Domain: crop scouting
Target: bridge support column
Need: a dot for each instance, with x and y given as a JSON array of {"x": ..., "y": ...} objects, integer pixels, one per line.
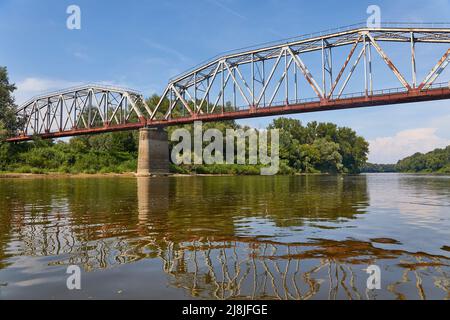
[{"x": 153, "y": 158}]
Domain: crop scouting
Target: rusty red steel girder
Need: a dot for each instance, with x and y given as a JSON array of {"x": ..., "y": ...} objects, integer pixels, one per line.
[{"x": 253, "y": 78}]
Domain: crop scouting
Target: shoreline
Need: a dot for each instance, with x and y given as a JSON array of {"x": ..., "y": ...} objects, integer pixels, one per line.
[{"x": 12, "y": 175}]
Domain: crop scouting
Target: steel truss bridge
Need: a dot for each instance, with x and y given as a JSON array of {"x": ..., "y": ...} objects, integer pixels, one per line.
[{"x": 273, "y": 79}]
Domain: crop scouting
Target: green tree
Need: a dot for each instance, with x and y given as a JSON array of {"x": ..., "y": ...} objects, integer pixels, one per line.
[
  {"x": 8, "y": 121},
  {"x": 437, "y": 160},
  {"x": 320, "y": 147},
  {"x": 329, "y": 160}
]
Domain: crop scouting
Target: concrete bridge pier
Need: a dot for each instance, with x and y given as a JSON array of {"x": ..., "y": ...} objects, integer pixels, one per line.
[{"x": 153, "y": 158}]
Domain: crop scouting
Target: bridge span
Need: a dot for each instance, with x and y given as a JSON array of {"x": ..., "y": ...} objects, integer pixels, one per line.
[
  {"x": 339, "y": 69},
  {"x": 272, "y": 79}
]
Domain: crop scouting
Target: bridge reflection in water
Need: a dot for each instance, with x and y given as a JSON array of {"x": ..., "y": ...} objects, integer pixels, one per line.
[{"x": 221, "y": 239}]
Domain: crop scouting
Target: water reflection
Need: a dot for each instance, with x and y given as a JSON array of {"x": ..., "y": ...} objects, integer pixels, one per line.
[{"x": 232, "y": 237}]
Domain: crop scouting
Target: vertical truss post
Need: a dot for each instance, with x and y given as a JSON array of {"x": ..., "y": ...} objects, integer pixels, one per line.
[
  {"x": 123, "y": 109},
  {"x": 234, "y": 90},
  {"x": 36, "y": 117},
  {"x": 264, "y": 79},
  {"x": 60, "y": 126},
  {"x": 171, "y": 102},
  {"x": 330, "y": 64},
  {"x": 253, "y": 80},
  {"x": 366, "y": 90},
  {"x": 90, "y": 108},
  {"x": 207, "y": 96},
  {"x": 183, "y": 98},
  {"x": 102, "y": 106},
  {"x": 327, "y": 66},
  {"x": 223, "y": 86},
  {"x": 369, "y": 51},
  {"x": 323, "y": 67},
  {"x": 296, "y": 84},
  {"x": 195, "y": 91},
  {"x": 49, "y": 115},
  {"x": 286, "y": 79},
  {"x": 413, "y": 61},
  {"x": 106, "y": 106},
  {"x": 75, "y": 106}
]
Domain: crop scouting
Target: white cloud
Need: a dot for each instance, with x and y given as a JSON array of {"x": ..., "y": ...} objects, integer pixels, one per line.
[
  {"x": 222, "y": 6},
  {"x": 30, "y": 87},
  {"x": 166, "y": 50},
  {"x": 405, "y": 143},
  {"x": 81, "y": 55}
]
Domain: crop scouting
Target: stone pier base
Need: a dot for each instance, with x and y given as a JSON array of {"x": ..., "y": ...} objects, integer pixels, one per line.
[{"x": 153, "y": 156}]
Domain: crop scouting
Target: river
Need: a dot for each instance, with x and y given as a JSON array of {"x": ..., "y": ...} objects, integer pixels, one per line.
[{"x": 302, "y": 237}]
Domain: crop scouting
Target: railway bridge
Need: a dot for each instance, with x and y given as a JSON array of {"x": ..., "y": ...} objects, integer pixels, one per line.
[{"x": 344, "y": 68}]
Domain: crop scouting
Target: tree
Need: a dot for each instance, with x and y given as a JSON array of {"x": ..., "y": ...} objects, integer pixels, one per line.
[
  {"x": 437, "y": 160},
  {"x": 330, "y": 160},
  {"x": 8, "y": 120},
  {"x": 320, "y": 147}
]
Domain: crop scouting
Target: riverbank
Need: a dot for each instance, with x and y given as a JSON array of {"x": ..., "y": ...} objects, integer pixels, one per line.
[{"x": 12, "y": 175}]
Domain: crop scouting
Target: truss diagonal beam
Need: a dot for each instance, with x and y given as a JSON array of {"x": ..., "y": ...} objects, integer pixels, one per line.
[
  {"x": 183, "y": 101},
  {"x": 436, "y": 71},
  {"x": 277, "y": 62},
  {"x": 341, "y": 72},
  {"x": 389, "y": 62},
  {"x": 352, "y": 70},
  {"x": 306, "y": 73},
  {"x": 235, "y": 82},
  {"x": 219, "y": 65}
]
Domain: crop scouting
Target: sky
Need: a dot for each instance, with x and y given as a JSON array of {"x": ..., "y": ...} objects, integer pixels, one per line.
[{"x": 142, "y": 44}]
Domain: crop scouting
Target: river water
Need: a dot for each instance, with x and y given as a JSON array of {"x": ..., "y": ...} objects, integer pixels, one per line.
[{"x": 303, "y": 237}]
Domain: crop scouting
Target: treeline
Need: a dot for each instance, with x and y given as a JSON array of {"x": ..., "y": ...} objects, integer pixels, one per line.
[
  {"x": 436, "y": 161},
  {"x": 106, "y": 153},
  {"x": 378, "y": 168}
]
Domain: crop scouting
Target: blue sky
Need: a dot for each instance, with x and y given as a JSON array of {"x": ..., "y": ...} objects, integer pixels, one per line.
[{"x": 141, "y": 44}]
